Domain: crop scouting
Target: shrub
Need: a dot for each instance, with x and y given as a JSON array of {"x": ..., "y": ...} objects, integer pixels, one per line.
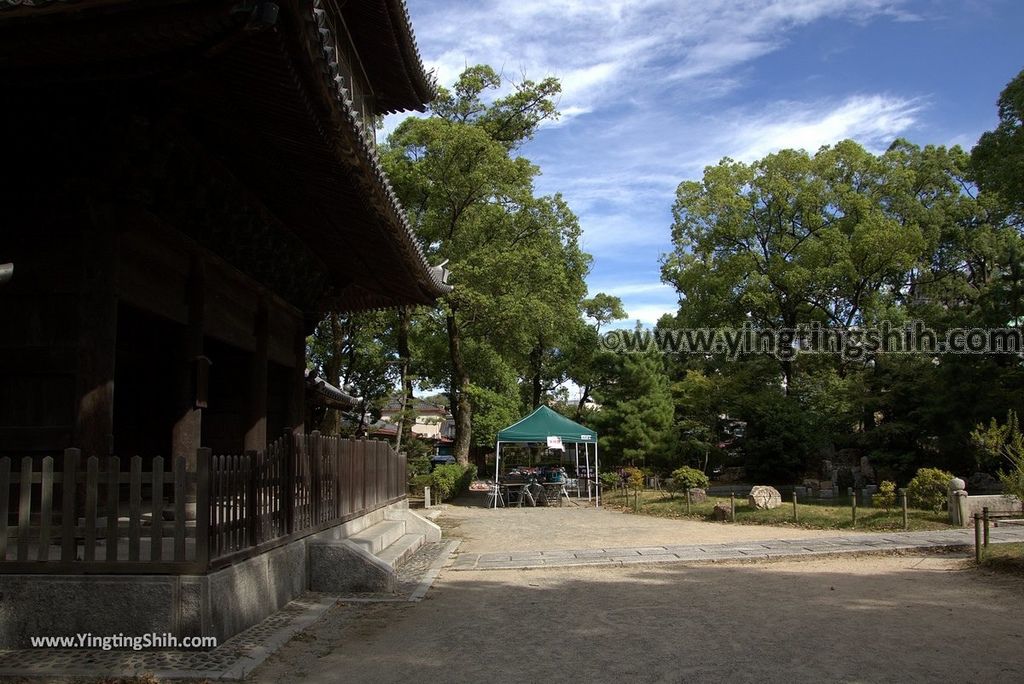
[
  {"x": 634, "y": 478},
  {"x": 688, "y": 478},
  {"x": 418, "y": 465},
  {"x": 929, "y": 489},
  {"x": 610, "y": 480},
  {"x": 418, "y": 482},
  {"x": 886, "y": 496},
  {"x": 448, "y": 481}
]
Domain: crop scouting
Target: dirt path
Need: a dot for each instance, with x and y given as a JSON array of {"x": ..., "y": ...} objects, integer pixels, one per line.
[
  {"x": 865, "y": 619},
  {"x": 485, "y": 530}
]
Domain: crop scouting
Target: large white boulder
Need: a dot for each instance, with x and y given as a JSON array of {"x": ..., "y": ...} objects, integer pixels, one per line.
[{"x": 764, "y": 497}]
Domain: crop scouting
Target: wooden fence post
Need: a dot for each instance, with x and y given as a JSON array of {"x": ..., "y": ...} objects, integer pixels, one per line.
[
  {"x": 5, "y": 491},
  {"x": 113, "y": 504},
  {"x": 251, "y": 508},
  {"x": 68, "y": 516},
  {"x": 854, "y": 507},
  {"x": 903, "y": 503},
  {"x": 796, "y": 515},
  {"x": 316, "y": 490},
  {"x": 46, "y": 510},
  {"x": 977, "y": 538},
  {"x": 985, "y": 519},
  {"x": 24, "y": 507},
  {"x": 203, "y": 462},
  {"x": 287, "y": 489},
  {"x": 732, "y": 506}
]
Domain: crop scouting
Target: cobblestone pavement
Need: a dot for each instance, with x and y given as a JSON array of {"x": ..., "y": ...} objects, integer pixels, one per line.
[
  {"x": 749, "y": 550},
  {"x": 236, "y": 657}
]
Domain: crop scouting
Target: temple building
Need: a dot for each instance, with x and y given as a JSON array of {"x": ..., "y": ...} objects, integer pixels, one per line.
[{"x": 189, "y": 186}]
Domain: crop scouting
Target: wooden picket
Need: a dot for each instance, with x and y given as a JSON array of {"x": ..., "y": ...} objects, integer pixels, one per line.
[
  {"x": 92, "y": 516},
  {"x": 73, "y": 520}
]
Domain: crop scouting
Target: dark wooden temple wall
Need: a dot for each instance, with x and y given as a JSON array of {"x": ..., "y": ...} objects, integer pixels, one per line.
[{"x": 118, "y": 293}]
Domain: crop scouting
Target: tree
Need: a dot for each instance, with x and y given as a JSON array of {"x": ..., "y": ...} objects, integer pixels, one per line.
[
  {"x": 354, "y": 351},
  {"x": 587, "y": 362},
  {"x": 847, "y": 239},
  {"x": 514, "y": 258},
  {"x": 636, "y": 409},
  {"x": 998, "y": 158}
]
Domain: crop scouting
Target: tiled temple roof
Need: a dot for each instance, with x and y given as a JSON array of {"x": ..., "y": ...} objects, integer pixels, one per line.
[{"x": 301, "y": 144}]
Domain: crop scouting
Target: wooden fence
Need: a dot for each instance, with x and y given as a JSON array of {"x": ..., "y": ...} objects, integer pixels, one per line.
[{"x": 159, "y": 516}]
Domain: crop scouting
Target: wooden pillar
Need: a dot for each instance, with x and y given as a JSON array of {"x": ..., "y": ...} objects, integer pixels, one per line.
[
  {"x": 97, "y": 339},
  {"x": 256, "y": 433},
  {"x": 297, "y": 391},
  {"x": 188, "y": 428}
]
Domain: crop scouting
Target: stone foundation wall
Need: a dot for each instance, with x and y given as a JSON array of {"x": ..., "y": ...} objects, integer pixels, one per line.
[{"x": 220, "y": 604}]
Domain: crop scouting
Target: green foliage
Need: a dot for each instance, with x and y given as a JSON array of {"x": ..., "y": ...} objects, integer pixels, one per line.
[
  {"x": 610, "y": 480},
  {"x": 634, "y": 478},
  {"x": 845, "y": 239},
  {"x": 688, "y": 478},
  {"x": 779, "y": 437},
  {"x": 929, "y": 489},
  {"x": 637, "y": 409},
  {"x": 418, "y": 482},
  {"x": 998, "y": 158},
  {"x": 418, "y": 466},
  {"x": 1004, "y": 444},
  {"x": 886, "y": 496},
  {"x": 356, "y": 350},
  {"x": 448, "y": 481},
  {"x": 997, "y": 443},
  {"x": 587, "y": 363},
  {"x": 514, "y": 258}
]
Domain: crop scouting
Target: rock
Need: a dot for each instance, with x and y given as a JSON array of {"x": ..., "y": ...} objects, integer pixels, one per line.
[
  {"x": 866, "y": 469},
  {"x": 698, "y": 496},
  {"x": 722, "y": 511},
  {"x": 764, "y": 497},
  {"x": 983, "y": 483},
  {"x": 826, "y": 469}
]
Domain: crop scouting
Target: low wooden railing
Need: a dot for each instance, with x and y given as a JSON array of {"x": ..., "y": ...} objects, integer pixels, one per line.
[{"x": 161, "y": 517}]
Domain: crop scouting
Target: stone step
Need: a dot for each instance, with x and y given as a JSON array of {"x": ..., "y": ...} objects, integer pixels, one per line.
[
  {"x": 376, "y": 538},
  {"x": 397, "y": 553}
]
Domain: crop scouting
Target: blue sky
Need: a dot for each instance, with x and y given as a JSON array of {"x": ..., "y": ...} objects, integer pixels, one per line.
[{"x": 654, "y": 90}]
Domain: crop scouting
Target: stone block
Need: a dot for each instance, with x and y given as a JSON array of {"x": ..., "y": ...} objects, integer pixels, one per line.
[{"x": 343, "y": 567}]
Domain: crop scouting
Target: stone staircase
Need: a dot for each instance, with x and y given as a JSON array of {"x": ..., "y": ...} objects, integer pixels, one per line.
[{"x": 367, "y": 559}]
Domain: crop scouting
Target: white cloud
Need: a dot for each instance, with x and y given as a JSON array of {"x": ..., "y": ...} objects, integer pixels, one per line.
[
  {"x": 627, "y": 289},
  {"x": 872, "y": 120},
  {"x": 602, "y": 48}
]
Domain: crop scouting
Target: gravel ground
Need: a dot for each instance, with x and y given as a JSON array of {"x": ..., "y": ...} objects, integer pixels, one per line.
[
  {"x": 484, "y": 530},
  {"x": 898, "y": 619}
]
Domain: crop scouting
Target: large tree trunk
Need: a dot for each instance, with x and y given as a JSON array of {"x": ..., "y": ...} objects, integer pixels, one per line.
[
  {"x": 331, "y": 423},
  {"x": 407, "y": 417},
  {"x": 584, "y": 395},
  {"x": 462, "y": 410}
]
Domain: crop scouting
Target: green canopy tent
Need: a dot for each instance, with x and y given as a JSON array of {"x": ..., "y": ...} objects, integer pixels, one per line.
[{"x": 543, "y": 425}]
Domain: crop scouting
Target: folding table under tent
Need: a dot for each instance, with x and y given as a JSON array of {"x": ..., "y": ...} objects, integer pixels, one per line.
[{"x": 538, "y": 427}]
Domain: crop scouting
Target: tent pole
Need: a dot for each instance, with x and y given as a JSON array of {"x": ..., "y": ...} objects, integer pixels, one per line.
[
  {"x": 497, "y": 460},
  {"x": 590, "y": 481},
  {"x": 577, "y": 445},
  {"x": 597, "y": 491}
]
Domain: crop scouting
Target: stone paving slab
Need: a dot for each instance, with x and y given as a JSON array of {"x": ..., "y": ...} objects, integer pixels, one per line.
[
  {"x": 237, "y": 657},
  {"x": 703, "y": 553}
]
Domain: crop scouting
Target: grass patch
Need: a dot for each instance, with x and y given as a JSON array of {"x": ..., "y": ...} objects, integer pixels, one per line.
[
  {"x": 1004, "y": 558},
  {"x": 811, "y": 515}
]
